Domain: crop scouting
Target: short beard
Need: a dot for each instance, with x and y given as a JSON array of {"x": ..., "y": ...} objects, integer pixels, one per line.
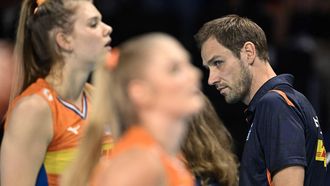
[{"x": 242, "y": 87}]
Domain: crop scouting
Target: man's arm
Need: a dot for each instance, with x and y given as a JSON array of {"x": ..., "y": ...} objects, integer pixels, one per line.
[
  {"x": 25, "y": 142},
  {"x": 283, "y": 139},
  {"x": 290, "y": 176}
]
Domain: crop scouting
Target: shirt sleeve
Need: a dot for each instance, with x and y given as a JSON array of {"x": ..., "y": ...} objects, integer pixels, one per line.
[{"x": 281, "y": 133}]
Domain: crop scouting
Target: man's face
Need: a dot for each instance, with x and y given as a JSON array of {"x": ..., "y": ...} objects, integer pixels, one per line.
[{"x": 230, "y": 75}]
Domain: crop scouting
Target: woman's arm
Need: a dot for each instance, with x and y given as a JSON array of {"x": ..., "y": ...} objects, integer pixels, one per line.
[{"x": 26, "y": 138}]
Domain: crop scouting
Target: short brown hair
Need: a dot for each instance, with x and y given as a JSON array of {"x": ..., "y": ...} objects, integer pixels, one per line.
[{"x": 232, "y": 31}]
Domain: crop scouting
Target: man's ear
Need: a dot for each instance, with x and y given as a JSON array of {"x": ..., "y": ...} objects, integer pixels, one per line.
[
  {"x": 248, "y": 52},
  {"x": 139, "y": 93},
  {"x": 63, "y": 41}
]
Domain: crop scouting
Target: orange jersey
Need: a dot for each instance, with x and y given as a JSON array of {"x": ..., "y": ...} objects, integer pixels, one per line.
[
  {"x": 137, "y": 137},
  {"x": 68, "y": 125}
]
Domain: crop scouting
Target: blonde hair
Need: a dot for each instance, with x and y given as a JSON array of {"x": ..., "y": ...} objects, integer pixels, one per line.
[
  {"x": 111, "y": 104},
  {"x": 35, "y": 48},
  {"x": 208, "y": 148}
]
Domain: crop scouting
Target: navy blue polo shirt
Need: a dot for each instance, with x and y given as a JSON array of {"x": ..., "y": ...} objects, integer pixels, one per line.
[{"x": 284, "y": 132}]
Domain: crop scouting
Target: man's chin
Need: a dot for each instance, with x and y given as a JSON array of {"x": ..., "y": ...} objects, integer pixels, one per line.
[{"x": 231, "y": 100}]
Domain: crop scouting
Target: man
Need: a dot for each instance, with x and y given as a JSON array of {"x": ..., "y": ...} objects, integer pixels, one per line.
[{"x": 285, "y": 144}]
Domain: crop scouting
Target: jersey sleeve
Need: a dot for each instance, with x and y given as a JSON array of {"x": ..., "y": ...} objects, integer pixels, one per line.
[{"x": 281, "y": 132}]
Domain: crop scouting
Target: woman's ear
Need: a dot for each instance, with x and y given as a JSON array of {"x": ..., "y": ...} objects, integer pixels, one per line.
[
  {"x": 63, "y": 41},
  {"x": 248, "y": 52},
  {"x": 139, "y": 93}
]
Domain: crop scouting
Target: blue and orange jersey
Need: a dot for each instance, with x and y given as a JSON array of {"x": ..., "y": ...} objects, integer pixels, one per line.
[
  {"x": 285, "y": 131},
  {"x": 176, "y": 172},
  {"x": 69, "y": 123}
]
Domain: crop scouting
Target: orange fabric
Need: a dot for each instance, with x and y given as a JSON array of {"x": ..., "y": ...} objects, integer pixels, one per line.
[
  {"x": 287, "y": 100},
  {"x": 112, "y": 59},
  {"x": 68, "y": 128},
  {"x": 269, "y": 178},
  {"x": 137, "y": 137},
  {"x": 40, "y": 2},
  {"x": 62, "y": 116}
]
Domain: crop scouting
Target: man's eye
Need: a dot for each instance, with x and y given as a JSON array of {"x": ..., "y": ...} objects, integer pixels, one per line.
[{"x": 217, "y": 63}]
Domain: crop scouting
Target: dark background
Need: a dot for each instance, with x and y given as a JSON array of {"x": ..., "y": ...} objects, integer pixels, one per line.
[{"x": 297, "y": 32}]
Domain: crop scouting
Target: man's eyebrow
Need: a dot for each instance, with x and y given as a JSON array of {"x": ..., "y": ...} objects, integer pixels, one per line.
[{"x": 208, "y": 63}]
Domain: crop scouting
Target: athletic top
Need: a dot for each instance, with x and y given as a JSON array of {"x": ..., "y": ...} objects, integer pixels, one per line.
[
  {"x": 138, "y": 137},
  {"x": 284, "y": 132},
  {"x": 68, "y": 125}
]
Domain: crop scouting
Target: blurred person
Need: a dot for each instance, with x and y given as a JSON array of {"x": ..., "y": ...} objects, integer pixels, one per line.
[
  {"x": 6, "y": 67},
  {"x": 207, "y": 149},
  {"x": 285, "y": 144},
  {"x": 6, "y": 75},
  {"x": 145, "y": 99},
  {"x": 58, "y": 45}
]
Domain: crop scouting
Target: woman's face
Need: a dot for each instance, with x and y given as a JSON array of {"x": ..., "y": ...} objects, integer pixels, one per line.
[
  {"x": 90, "y": 36},
  {"x": 173, "y": 81}
]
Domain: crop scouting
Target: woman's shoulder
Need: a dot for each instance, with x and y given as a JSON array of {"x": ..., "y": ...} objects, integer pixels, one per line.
[
  {"x": 31, "y": 113},
  {"x": 32, "y": 102},
  {"x": 139, "y": 165},
  {"x": 31, "y": 105}
]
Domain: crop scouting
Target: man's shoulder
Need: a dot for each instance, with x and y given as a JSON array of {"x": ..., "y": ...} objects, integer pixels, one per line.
[
  {"x": 276, "y": 103},
  {"x": 274, "y": 99}
]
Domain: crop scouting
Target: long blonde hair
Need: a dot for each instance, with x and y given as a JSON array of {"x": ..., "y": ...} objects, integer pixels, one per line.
[
  {"x": 35, "y": 48},
  {"x": 111, "y": 104},
  {"x": 208, "y": 148}
]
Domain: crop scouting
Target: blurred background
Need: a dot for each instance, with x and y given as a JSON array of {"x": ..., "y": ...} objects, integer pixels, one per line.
[{"x": 297, "y": 31}]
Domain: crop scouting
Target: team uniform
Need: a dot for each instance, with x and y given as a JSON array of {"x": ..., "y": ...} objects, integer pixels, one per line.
[
  {"x": 68, "y": 125},
  {"x": 284, "y": 132},
  {"x": 137, "y": 137}
]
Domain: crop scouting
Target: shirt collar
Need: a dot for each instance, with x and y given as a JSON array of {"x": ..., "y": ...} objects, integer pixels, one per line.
[{"x": 269, "y": 85}]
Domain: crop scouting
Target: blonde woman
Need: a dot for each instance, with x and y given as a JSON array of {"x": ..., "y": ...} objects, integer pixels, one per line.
[
  {"x": 145, "y": 99},
  {"x": 59, "y": 43}
]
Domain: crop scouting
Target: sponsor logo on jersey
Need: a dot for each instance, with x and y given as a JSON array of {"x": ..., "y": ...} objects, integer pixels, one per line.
[
  {"x": 74, "y": 130},
  {"x": 48, "y": 95},
  {"x": 320, "y": 152},
  {"x": 316, "y": 121},
  {"x": 248, "y": 135}
]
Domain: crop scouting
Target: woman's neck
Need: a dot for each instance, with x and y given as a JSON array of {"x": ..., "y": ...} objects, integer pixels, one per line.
[
  {"x": 169, "y": 132},
  {"x": 68, "y": 82}
]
